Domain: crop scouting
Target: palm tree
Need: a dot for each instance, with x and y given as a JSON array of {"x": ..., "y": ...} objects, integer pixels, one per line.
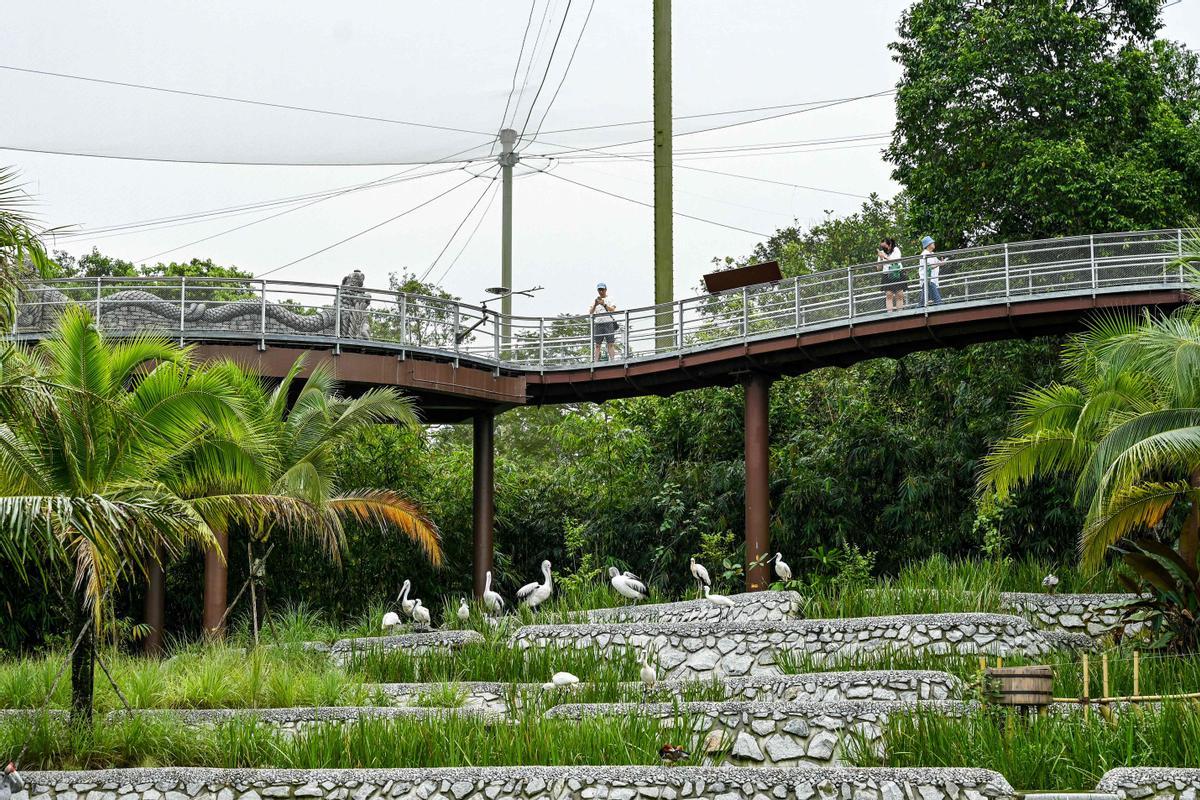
[
  {"x": 20, "y": 243},
  {"x": 83, "y": 454},
  {"x": 1125, "y": 424},
  {"x": 290, "y": 453}
]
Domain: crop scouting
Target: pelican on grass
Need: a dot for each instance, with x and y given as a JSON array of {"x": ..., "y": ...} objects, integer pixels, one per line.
[
  {"x": 464, "y": 611},
  {"x": 781, "y": 568},
  {"x": 491, "y": 600},
  {"x": 420, "y": 614},
  {"x": 406, "y": 605},
  {"x": 718, "y": 599},
  {"x": 700, "y": 574},
  {"x": 627, "y": 584},
  {"x": 534, "y": 594}
]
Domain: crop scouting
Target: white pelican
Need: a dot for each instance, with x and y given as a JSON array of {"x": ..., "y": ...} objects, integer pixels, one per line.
[
  {"x": 627, "y": 584},
  {"x": 493, "y": 601},
  {"x": 718, "y": 599},
  {"x": 464, "y": 611},
  {"x": 406, "y": 605},
  {"x": 561, "y": 680},
  {"x": 420, "y": 613},
  {"x": 1050, "y": 583},
  {"x": 649, "y": 675},
  {"x": 391, "y": 621},
  {"x": 534, "y": 594},
  {"x": 781, "y": 568},
  {"x": 700, "y": 574}
]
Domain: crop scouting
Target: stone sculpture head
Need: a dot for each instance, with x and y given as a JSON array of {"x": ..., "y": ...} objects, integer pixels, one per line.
[{"x": 355, "y": 279}]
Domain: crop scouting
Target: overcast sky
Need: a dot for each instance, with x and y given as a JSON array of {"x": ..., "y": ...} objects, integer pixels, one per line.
[{"x": 448, "y": 65}]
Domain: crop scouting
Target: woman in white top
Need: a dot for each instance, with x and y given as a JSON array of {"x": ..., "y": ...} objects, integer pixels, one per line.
[
  {"x": 895, "y": 282},
  {"x": 930, "y": 270},
  {"x": 604, "y": 324}
]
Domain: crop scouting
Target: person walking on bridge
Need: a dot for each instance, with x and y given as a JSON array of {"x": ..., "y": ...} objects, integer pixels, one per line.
[
  {"x": 894, "y": 280},
  {"x": 604, "y": 324},
  {"x": 930, "y": 270}
]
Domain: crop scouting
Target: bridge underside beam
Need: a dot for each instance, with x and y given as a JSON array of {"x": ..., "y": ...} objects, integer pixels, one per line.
[
  {"x": 484, "y": 498},
  {"x": 758, "y": 494}
]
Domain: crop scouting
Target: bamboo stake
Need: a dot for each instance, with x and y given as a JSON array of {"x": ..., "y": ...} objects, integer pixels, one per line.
[
  {"x": 1137, "y": 663},
  {"x": 982, "y": 663},
  {"x": 1104, "y": 675},
  {"x": 1149, "y": 698},
  {"x": 1086, "y": 689}
]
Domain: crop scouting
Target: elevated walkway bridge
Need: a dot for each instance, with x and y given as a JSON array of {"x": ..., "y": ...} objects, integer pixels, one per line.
[{"x": 467, "y": 362}]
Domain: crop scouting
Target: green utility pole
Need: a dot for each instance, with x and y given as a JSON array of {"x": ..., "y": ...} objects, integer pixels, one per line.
[
  {"x": 664, "y": 257},
  {"x": 508, "y": 138}
]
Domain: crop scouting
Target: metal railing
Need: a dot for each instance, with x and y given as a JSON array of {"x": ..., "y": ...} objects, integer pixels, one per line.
[{"x": 269, "y": 311}]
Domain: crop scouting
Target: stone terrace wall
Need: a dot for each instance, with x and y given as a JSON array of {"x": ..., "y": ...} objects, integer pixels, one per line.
[
  {"x": 910, "y": 686},
  {"x": 1091, "y": 614},
  {"x": 290, "y": 720},
  {"x": 704, "y": 650},
  {"x": 1170, "y": 783},
  {"x": 828, "y": 687},
  {"x": 522, "y": 783},
  {"x": 749, "y": 607},
  {"x": 772, "y": 733},
  {"x": 415, "y": 643}
]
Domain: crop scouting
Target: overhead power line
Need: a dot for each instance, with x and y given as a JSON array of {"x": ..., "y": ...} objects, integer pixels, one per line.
[
  {"x": 241, "y": 100},
  {"x": 546, "y": 72},
  {"x": 459, "y": 227},
  {"x": 651, "y": 205},
  {"x": 517, "y": 67},
  {"x": 471, "y": 235},
  {"x": 726, "y": 113},
  {"x": 365, "y": 231},
  {"x": 567, "y": 69}
]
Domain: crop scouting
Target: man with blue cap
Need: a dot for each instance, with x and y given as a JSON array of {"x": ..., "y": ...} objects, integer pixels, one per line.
[
  {"x": 930, "y": 269},
  {"x": 604, "y": 324}
]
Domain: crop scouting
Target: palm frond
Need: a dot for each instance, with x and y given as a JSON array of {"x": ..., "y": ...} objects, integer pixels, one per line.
[
  {"x": 1128, "y": 511},
  {"x": 1019, "y": 459},
  {"x": 386, "y": 509}
]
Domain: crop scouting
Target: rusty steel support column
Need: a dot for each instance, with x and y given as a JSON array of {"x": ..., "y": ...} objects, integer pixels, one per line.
[
  {"x": 216, "y": 586},
  {"x": 758, "y": 496},
  {"x": 484, "y": 499},
  {"x": 156, "y": 600}
]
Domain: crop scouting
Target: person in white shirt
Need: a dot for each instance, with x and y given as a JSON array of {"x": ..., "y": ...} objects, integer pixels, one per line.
[
  {"x": 930, "y": 270},
  {"x": 894, "y": 282},
  {"x": 10, "y": 782},
  {"x": 604, "y": 324}
]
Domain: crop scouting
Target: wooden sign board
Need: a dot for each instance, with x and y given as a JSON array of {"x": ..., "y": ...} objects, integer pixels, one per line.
[{"x": 766, "y": 272}]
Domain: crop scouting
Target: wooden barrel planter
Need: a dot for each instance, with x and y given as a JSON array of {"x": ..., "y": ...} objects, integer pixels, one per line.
[{"x": 1020, "y": 686}]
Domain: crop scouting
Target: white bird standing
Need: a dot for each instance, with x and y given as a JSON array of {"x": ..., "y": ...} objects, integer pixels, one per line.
[
  {"x": 560, "y": 680},
  {"x": 700, "y": 573},
  {"x": 406, "y": 605},
  {"x": 718, "y": 599},
  {"x": 534, "y": 594},
  {"x": 420, "y": 613},
  {"x": 391, "y": 621},
  {"x": 464, "y": 611},
  {"x": 649, "y": 675},
  {"x": 781, "y": 568},
  {"x": 1050, "y": 583},
  {"x": 492, "y": 600},
  {"x": 627, "y": 584}
]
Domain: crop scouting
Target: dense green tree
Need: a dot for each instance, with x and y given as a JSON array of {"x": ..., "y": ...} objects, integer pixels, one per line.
[
  {"x": 96, "y": 264},
  {"x": 1018, "y": 119}
]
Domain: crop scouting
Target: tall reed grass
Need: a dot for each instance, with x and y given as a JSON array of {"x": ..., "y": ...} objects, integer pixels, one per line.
[{"x": 1056, "y": 752}]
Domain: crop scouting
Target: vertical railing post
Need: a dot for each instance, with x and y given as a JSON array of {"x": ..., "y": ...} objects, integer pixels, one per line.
[
  {"x": 1179, "y": 251},
  {"x": 403, "y": 318},
  {"x": 454, "y": 322},
  {"x": 1092, "y": 259},
  {"x": 593, "y": 350},
  {"x": 745, "y": 312},
  {"x": 262, "y": 316},
  {"x": 1007, "y": 283},
  {"x": 850, "y": 291},
  {"x": 680, "y": 324},
  {"x": 182, "y": 306},
  {"x": 337, "y": 321},
  {"x": 796, "y": 294},
  {"x": 495, "y": 335},
  {"x": 97, "y": 302},
  {"x": 541, "y": 342},
  {"x": 625, "y": 337}
]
